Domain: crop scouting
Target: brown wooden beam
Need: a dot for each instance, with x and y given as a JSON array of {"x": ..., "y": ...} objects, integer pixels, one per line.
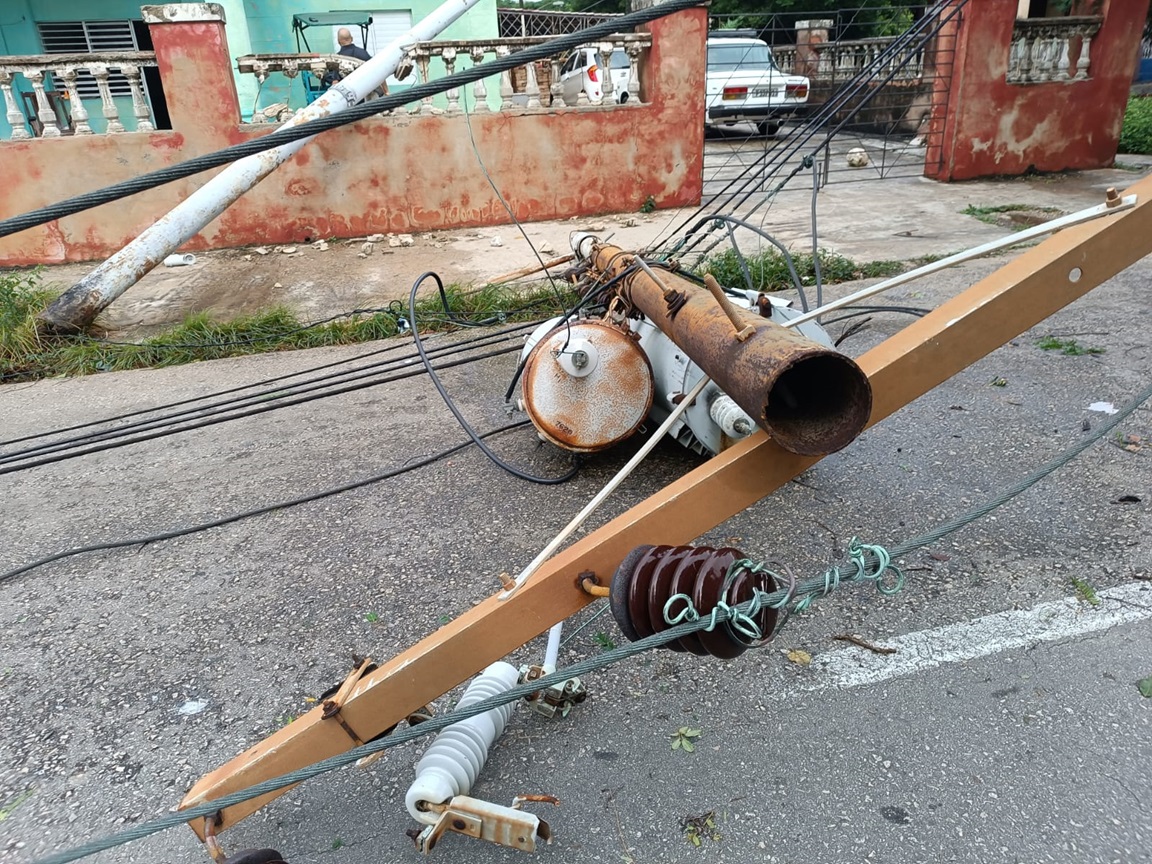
[{"x": 1001, "y": 306}]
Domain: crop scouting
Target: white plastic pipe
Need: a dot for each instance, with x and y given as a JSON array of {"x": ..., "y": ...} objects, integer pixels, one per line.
[
  {"x": 453, "y": 761},
  {"x": 88, "y": 297}
]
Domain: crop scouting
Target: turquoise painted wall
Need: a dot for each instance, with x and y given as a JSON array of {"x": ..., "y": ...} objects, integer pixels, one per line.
[
  {"x": 269, "y": 30},
  {"x": 18, "y": 35},
  {"x": 253, "y": 27}
]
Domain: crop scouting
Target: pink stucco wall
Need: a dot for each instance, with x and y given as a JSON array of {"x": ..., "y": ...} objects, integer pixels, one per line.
[
  {"x": 991, "y": 127},
  {"x": 394, "y": 173}
]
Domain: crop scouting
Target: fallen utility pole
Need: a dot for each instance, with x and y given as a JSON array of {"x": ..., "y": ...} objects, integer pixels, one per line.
[
  {"x": 76, "y": 308},
  {"x": 998, "y": 308}
]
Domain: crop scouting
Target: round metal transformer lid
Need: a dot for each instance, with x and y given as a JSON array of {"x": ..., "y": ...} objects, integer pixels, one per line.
[{"x": 580, "y": 410}]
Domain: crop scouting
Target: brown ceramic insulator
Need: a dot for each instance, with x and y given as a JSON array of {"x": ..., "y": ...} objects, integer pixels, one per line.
[{"x": 650, "y": 575}]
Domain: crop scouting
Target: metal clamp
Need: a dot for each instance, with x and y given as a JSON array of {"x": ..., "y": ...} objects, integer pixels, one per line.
[
  {"x": 505, "y": 826},
  {"x": 559, "y": 698},
  {"x": 333, "y": 700}
]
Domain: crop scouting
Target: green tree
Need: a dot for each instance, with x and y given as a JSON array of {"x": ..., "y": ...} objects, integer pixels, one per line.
[{"x": 776, "y": 19}]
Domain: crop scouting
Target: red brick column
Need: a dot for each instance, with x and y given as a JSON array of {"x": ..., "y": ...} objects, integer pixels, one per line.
[{"x": 809, "y": 34}]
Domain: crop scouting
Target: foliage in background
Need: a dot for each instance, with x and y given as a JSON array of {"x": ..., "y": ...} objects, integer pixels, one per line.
[
  {"x": 1136, "y": 136},
  {"x": 769, "y": 270},
  {"x": 26, "y": 354},
  {"x": 855, "y": 19}
]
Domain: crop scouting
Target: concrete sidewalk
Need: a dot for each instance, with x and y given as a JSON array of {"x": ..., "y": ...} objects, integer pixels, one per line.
[{"x": 892, "y": 219}]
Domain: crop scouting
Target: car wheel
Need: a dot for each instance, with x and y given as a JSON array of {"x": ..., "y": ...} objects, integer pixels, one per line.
[{"x": 768, "y": 128}]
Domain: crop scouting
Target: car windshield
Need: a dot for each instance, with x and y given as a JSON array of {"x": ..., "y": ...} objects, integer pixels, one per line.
[
  {"x": 619, "y": 59},
  {"x": 732, "y": 58}
]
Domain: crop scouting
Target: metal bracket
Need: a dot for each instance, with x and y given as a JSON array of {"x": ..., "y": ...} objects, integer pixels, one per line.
[
  {"x": 332, "y": 702},
  {"x": 557, "y": 699},
  {"x": 505, "y": 826}
]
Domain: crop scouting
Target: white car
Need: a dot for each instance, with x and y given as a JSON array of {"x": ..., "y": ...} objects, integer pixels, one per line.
[
  {"x": 744, "y": 84},
  {"x": 585, "y": 70}
]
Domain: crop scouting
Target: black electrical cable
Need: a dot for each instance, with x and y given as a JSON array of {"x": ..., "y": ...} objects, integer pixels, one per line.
[
  {"x": 315, "y": 386},
  {"x": 248, "y": 412},
  {"x": 262, "y": 383},
  {"x": 162, "y": 346},
  {"x": 869, "y": 310},
  {"x": 352, "y": 114},
  {"x": 464, "y": 424},
  {"x": 283, "y": 505},
  {"x": 756, "y": 229}
]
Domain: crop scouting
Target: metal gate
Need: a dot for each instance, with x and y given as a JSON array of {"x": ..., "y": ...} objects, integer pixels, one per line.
[{"x": 877, "y": 98}]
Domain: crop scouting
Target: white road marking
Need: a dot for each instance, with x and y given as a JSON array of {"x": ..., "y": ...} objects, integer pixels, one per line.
[{"x": 980, "y": 637}]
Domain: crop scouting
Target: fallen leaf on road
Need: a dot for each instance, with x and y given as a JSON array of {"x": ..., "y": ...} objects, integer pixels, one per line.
[
  {"x": 800, "y": 658},
  {"x": 1145, "y": 687}
]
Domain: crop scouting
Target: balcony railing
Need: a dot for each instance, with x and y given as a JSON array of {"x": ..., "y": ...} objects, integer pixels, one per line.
[
  {"x": 841, "y": 61},
  {"x": 532, "y": 86},
  {"x": 1051, "y": 49},
  {"x": 55, "y": 103}
]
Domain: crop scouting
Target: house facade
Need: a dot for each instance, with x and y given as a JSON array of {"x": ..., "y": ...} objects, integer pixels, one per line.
[{"x": 33, "y": 27}]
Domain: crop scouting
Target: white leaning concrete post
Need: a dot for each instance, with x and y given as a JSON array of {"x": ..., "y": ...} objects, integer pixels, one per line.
[{"x": 79, "y": 305}]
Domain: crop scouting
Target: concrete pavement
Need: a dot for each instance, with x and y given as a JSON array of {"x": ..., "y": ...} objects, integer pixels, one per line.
[{"x": 129, "y": 674}]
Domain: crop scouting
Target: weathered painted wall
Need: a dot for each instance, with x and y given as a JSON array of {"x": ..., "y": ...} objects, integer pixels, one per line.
[
  {"x": 253, "y": 27},
  {"x": 395, "y": 173},
  {"x": 992, "y": 127}
]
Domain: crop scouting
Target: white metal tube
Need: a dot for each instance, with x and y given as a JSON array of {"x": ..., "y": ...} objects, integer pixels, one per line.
[
  {"x": 552, "y": 649},
  {"x": 608, "y": 489},
  {"x": 113, "y": 277},
  {"x": 968, "y": 254}
]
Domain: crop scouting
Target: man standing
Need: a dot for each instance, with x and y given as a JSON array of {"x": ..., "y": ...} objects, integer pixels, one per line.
[{"x": 348, "y": 48}]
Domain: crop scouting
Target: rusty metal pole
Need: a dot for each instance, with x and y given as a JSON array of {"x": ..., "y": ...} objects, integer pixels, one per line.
[
  {"x": 810, "y": 399},
  {"x": 76, "y": 308}
]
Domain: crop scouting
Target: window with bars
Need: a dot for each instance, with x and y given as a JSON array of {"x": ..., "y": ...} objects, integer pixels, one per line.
[{"x": 90, "y": 37}]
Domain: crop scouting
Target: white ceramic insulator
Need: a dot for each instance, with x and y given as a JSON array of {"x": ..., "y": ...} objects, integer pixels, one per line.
[
  {"x": 731, "y": 417},
  {"x": 579, "y": 358},
  {"x": 453, "y": 761}
]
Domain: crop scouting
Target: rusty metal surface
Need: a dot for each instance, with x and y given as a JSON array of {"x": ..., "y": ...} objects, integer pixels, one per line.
[
  {"x": 998, "y": 308},
  {"x": 810, "y": 399},
  {"x": 504, "y": 826},
  {"x": 588, "y": 413}
]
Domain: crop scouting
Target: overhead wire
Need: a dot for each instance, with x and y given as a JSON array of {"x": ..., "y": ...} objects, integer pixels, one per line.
[
  {"x": 249, "y": 410},
  {"x": 192, "y": 400},
  {"x": 258, "y": 511},
  {"x": 737, "y": 191},
  {"x": 456, "y": 412}
]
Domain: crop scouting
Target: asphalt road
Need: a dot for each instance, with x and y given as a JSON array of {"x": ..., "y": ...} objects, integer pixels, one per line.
[{"x": 986, "y": 737}]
